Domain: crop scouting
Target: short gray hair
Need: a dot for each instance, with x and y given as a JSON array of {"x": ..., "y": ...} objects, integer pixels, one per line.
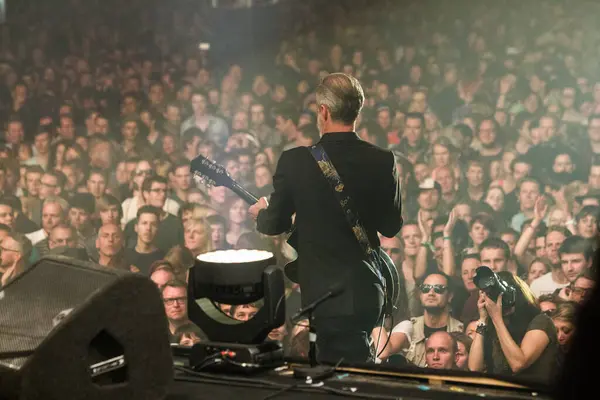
[
  {"x": 25, "y": 246},
  {"x": 343, "y": 95},
  {"x": 63, "y": 204}
]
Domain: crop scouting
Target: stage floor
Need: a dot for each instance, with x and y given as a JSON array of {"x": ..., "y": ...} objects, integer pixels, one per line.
[{"x": 348, "y": 382}]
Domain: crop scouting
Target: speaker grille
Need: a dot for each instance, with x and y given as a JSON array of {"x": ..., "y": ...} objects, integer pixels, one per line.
[{"x": 37, "y": 301}]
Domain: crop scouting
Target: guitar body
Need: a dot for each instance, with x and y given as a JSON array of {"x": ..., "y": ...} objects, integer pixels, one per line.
[
  {"x": 384, "y": 264},
  {"x": 213, "y": 174}
]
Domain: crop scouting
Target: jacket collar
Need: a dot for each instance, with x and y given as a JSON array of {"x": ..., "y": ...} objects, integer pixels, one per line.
[{"x": 338, "y": 136}]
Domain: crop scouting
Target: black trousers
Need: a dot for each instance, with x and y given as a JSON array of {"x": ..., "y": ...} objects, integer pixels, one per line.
[{"x": 347, "y": 337}]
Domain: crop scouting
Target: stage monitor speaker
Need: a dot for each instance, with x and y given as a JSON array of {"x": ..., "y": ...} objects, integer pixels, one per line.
[{"x": 73, "y": 330}]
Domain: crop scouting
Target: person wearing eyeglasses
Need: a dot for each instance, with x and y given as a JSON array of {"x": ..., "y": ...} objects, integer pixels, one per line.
[
  {"x": 170, "y": 229},
  {"x": 581, "y": 288},
  {"x": 143, "y": 172},
  {"x": 174, "y": 295},
  {"x": 435, "y": 295}
]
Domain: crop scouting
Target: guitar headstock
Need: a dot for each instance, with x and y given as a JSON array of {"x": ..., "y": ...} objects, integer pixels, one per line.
[{"x": 209, "y": 172}]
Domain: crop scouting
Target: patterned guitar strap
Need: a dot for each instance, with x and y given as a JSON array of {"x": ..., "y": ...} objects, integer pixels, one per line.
[{"x": 347, "y": 204}]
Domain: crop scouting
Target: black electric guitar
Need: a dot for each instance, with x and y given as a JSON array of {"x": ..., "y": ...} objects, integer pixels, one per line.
[{"x": 212, "y": 174}]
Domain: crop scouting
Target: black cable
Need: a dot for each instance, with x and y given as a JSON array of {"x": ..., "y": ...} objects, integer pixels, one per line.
[
  {"x": 226, "y": 378},
  {"x": 279, "y": 303},
  {"x": 379, "y": 338},
  {"x": 208, "y": 363},
  {"x": 389, "y": 335},
  {"x": 202, "y": 364}
]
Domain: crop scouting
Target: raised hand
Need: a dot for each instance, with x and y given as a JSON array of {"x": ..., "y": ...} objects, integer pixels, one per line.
[
  {"x": 423, "y": 226},
  {"x": 540, "y": 209},
  {"x": 506, "y": 84},
  {"x": 452, "y": 218}
]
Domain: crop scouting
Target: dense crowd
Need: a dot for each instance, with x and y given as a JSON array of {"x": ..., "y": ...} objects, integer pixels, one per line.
[{"x": 493, "y": 113}]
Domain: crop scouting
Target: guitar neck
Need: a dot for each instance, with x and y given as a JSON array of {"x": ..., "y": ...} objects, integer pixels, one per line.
[{"x": 243, "y": 193}]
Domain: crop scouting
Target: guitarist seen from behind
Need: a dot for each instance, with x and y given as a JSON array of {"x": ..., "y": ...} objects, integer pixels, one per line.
[{"x": 328, "y": 250}]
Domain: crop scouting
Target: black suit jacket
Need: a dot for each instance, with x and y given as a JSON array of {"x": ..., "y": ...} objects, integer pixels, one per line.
[{"x": 327, "y": 248}]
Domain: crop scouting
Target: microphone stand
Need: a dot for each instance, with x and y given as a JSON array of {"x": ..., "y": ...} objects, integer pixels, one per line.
[
  {"x": 312, "y": 341},
  {"x": 315, "y": 371}
]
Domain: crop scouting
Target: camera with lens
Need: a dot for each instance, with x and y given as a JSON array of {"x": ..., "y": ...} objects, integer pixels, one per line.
[{"x": 493, "y": 286}]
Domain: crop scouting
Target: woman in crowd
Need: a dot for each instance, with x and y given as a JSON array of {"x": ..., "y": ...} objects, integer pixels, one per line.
[
  {"x": 564, "y": 321},
  {"x": 463, "y": 343},
  {"x": 238, "y": 220},
  {"x": 480, "y": 228},
  {"x": 537, "y": 268},
  {"x": 518, "y": 340},
  {"x": 196, "y": 236}
]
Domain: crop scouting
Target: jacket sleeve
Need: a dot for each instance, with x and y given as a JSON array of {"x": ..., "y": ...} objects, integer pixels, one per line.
[
  {"x": 277, "y": 217},
  {"x": 390, "y": 221}
]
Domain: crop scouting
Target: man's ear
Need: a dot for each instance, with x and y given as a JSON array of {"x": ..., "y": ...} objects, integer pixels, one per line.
[
  {"x": 135, "y": 228},
  {"x": 323, "y": 111}
]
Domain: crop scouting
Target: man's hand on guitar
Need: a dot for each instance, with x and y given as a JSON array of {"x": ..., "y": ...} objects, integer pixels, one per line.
[{"x": 261, "y": 204}]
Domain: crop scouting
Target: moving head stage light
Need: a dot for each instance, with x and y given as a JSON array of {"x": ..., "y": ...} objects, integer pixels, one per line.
[{"x": 236, "y": 277}]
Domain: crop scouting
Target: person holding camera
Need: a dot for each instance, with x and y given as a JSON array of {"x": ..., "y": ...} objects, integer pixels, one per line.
[{"x": 513, "y": 337}]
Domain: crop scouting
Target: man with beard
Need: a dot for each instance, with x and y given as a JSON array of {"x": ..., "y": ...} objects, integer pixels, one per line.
[
  {"x": 563, "y": 167},
  {"x": 490, "y": 139},
  {"x": 435, "y": 294}
]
